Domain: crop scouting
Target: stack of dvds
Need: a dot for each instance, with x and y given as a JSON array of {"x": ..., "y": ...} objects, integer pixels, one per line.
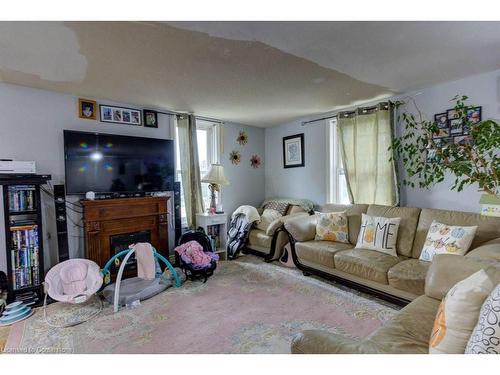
[
  {"x": 21, "y": 198},
  {"x": 24, "y": 256}
]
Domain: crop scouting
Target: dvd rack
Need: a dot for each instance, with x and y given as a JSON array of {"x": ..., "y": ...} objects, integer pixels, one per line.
[{"x": 23, "y": 229}]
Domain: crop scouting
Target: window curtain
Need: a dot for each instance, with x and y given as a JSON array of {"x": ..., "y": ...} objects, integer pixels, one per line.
[
  {"x": 190, "y": 168},
  {"x": 365, "y": 136}
]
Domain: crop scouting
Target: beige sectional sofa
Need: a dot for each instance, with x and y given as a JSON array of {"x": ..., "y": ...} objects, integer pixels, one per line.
[
  {"x": 270, "y": 243},
  {"x": 399, "y": 279},
  {"x": 408, "y": 332}
]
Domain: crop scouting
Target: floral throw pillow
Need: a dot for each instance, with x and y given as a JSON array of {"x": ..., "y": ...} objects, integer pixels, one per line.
[
  {"x": 332, "y": 226},
  {"x": 447, "y": 239},
  {"x": 379, "y": 233}
]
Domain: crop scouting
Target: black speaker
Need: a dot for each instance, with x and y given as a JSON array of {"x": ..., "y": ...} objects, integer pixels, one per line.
[
  {"x": 61, "y": 222},
  {"x": 177, "y": 211}
]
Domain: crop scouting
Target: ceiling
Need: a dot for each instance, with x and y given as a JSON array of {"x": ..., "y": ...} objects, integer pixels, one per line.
[{"x": 256, "y": 73}]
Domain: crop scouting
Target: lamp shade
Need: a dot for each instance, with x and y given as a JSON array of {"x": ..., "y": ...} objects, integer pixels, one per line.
[{"x": 215, "y": 175}]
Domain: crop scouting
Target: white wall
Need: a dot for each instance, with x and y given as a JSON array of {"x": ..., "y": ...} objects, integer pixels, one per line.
[
  {"x": 301, "y": 182},
  {"x": 309, "y": 181},
  {"x": 31, "y": 128},
  {"x": 246, "y": 184}
]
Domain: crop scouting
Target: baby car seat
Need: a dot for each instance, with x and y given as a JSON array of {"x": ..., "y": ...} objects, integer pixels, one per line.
[{"x": 191, "y": 271}]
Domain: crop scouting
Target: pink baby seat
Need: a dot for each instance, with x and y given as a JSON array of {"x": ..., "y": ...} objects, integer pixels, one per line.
[{"x": 73, "y": 281}]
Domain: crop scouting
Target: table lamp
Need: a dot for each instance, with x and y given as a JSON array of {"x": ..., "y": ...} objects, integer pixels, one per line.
[{"x": 215, "y": 178}]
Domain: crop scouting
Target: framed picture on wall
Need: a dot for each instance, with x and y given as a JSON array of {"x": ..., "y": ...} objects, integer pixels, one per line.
[
  {"x": 120, "y": 115},
  {"x": 293, "y": 151},
  {"x": 150, "y": 118},
  {"x": 87, "y": 109}
]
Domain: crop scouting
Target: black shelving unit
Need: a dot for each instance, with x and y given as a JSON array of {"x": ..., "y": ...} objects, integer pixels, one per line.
[{"x": 24, "y": 236}]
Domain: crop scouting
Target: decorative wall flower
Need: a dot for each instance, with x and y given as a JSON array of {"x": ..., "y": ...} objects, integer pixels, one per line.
[
  {"x": 242, "y": 138},
  {"x": 255, "y": 161},
  {"x": 235, "y": 157}
]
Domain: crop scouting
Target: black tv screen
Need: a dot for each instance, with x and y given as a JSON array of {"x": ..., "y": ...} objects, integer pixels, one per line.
[{"x": 106, "y": 163}]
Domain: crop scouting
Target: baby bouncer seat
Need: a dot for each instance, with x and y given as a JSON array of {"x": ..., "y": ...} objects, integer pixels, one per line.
[
  {"x": 148, "y": 282},
  {"x": 73, "y": 281}
]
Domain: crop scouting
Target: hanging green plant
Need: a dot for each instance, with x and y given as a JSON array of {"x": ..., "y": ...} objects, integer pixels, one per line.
[
  {"x": 427, "y": 158},
  {"x": 235, "y": 157},
  {"x": 242, "y": 138}
]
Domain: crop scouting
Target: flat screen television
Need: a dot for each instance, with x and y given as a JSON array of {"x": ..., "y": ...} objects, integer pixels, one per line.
[{"x": 106, "y": 163}]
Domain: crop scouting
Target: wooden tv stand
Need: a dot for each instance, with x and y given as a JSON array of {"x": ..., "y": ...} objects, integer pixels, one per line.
[{"x": 106, "y": 218}]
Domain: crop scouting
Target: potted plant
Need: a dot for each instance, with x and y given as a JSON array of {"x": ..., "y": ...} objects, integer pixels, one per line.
[{"x": 427, "y": 156}]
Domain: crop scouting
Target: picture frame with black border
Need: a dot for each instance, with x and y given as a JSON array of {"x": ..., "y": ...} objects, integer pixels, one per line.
[
  {"x": 293, "y": 151},
  {"x": 442, "y": 133},
  {"x": 432, "y": 156},
  {"x": 456, "y": 126},
  {"x": 150, "y": 118},
  {"x": 451, "y": 114},
  {"x": 474, "y": 115},
  {"x": 441, "y": 119},
  {"x": 120, "y": 115}
]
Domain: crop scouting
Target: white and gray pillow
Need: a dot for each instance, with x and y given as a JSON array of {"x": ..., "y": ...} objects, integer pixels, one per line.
[{"x": 485, "y": 338}]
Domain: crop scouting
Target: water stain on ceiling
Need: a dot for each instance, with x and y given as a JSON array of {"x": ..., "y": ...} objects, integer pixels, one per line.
[{"x": 159, "y": 65}]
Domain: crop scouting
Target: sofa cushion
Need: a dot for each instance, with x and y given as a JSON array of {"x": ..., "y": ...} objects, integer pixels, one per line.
[
  {"x": 407, "y": 226},
  {"x": 488, "y": 227},
  {"x": 293, "y": 209},
  {"x": 409, "y": 275},
  {"x": 369, "y": 264},
  {"x": 458, "y": 314},
  {"x": 320, "y": 252},
  {"x": 259, "y": 238},
  {"x": 268, "y": 216},
  {"x": 353, "y": 212},
  {"x": 379, "y": 233},
  {"x": 447, "y": 239},
  {"x": 408, "y": 332},
  {"x": 332, "y": 226}
]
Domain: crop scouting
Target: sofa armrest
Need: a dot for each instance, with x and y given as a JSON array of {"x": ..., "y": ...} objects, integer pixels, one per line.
[
  {"x": 446, "y": 270},
  {"x": 323, "y": 342},
  {"x": 302, "y": 228},
  {"x": 488, "y": 251},
  {"x": 277, "y": 223}
]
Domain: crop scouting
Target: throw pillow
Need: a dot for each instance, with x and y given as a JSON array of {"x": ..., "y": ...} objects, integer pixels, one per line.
[
  {"x": 332, "y": 226},
  {"x": 267, "y": 217},
  {"x": 458, "y": 313},
  {"x": 447, "y": 239},
  {"x": 378, "y": 233},
  {"x": 485, "y": 338},
  {"x": 281, "y": 207}
]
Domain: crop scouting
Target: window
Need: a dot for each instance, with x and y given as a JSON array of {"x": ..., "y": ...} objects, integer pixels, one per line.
[
  {"x": 336, "y": 179},
  {"x": 207, "y": 135}
]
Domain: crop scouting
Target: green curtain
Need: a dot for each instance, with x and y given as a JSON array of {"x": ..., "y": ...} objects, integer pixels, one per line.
[
  {"x": 190, "y": 168},
  {"x": 365, "y": 137}
]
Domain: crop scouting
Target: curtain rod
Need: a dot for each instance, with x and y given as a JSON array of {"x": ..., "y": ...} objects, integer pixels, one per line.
[
  {"x": 174, "y": 113},
  {"x": 318, "y": 119},
  {"x": 341, "y": 111}
]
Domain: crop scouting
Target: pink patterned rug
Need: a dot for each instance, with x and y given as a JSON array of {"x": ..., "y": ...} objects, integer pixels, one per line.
[{"x": 248, "y": 306}]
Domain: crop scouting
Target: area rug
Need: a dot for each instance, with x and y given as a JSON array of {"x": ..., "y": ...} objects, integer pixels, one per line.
[{"x": 248, "y": 306}]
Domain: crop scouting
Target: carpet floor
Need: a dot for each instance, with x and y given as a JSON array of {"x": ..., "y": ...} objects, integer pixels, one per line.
[{"x": 248, "y": 306}]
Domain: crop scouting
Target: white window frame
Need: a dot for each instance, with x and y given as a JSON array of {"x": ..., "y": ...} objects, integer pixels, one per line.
[
  {"x": 334, "y": 168},
  {"x": 214, "y": 142}
]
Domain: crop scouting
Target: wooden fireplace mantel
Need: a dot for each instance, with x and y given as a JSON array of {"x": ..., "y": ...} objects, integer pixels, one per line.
[{"x": 108, "y": 217}]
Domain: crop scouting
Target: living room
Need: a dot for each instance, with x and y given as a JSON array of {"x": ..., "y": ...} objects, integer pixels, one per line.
[{"x": 197, "y": 186}]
